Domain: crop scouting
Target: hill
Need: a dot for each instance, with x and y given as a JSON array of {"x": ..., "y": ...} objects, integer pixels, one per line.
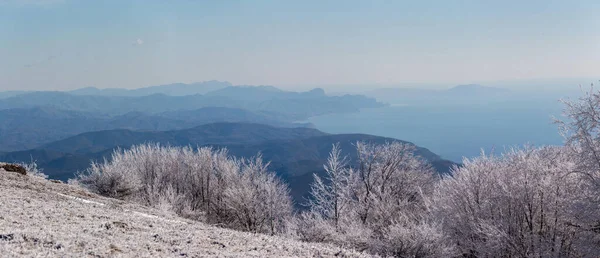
[
  {"x": 297, "y": 160},
  {"x": 290, "y": 105},
  {"x": 173, "y": 89},
  {"x": 27, "y": 128},
  {"x": 295, "y": 153},
  {"x": 43, "y": 218},
  {"x": 210, "y": 134},
  {"x": 8, "y": 94}
]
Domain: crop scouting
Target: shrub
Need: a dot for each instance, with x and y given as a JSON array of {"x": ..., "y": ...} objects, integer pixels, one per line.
[
  {"x": 198, "y": 183},
  {"x": 376, "y": 205},
  {"x": 525, "y": 203}
]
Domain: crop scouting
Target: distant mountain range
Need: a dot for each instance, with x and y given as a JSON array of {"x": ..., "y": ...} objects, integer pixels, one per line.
[
  {"x": 461, "y": 94},
  {"x": 210, "y": 134},
  {"x": 64, "y": 131},
  {"x": 290, "y": 105},
  {"x": 295, "y": 153},
  {"x": 27, "y": 128},
  {"x": 174, "y": 89},
  {"x": 8, "y": 94}
]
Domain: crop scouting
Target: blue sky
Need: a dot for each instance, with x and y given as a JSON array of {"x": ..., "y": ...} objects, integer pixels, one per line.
[{"x": 62, "y": 44}]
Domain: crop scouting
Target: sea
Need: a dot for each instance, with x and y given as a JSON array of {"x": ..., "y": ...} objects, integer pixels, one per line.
[{"x": 455, "y": 131}]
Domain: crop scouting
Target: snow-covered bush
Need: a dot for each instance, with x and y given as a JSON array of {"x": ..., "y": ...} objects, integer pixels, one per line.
[
  {"x": 111, "y": 179},
  {"x": 201, "y": 183},
  {"x": 33, "y": 170},
  {"x": 257, "y": 199},
  {"x": 581, "y": 130},
  {"x": 377, "y": 204},
  {"x": 530, "y": 202},
  {"x": 525, "y": 203}
]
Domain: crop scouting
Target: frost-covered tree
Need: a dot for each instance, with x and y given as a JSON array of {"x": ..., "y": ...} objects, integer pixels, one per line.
[
  {"x": 377, "y": 204},
  {"x": 581, "y": 130},
  {"x": 257, "y": 200},
  {"x": 201, "y": 183},
  {"x": 328, "y": 198},
  {"x": 525, "y": 203}
]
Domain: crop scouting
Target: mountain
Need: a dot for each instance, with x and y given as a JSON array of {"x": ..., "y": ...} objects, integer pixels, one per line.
[
  {"x": 27, "y": 128},
  {"x": 297, "y": 160},
  {"x": 23, "y": 129},
  {"x": 113, "y": 105},
  {"x": 8, "y": 94},
  {"x": 263, "y": 93},
  {"x": 295, "y": 153},
  {"x": 225, "y": 114},
  {"x": 173, "y": 89},
  {"x": 291, "y": 105},
  {"x": 457, "y": 95},
  {"x": 210, "y": 134}
]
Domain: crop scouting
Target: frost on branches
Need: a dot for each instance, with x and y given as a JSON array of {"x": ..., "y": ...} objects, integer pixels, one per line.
[
  {"x": 527, "y": 202},
  {"x": 376, "y": 205},
  {"x": 524, "y": 203},
  {"x": 200, "y": 183}
]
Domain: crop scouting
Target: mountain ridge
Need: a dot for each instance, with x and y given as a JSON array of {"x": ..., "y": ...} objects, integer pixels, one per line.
[
  {"x": 294, "y": 153},
  {"x": 172, "y": 89},
  {"x": 27, "y": 128},
  {"x": 293, "y": 105},
  {"x": 214, "y": 133}
]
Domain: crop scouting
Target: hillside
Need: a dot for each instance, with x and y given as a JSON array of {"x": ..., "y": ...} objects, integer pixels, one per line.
[
  {"x": 294, "y": 105},
  {"x": 216, "y": 133},
  {"x": 173, "y": 89},
  {"x": 27, "y": 128},
  {"x": 297, "y": 160},
  {"x": 8, "y": 94},
  {"x": 43, "y": 218},
  {"x": 295, "y": 153}
]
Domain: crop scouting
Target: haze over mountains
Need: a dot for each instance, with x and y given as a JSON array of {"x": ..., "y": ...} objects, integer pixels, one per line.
[
  {"x": 293, "y": 105},
  {"x": 30, "y": 119},
  {"x": 174, "y": 89},
  {"x": 295, "y": 153},
  {"x": 460, "y": 94},
  {"x": 64, "y": 131},
  {"x": 26, "y": 128}
]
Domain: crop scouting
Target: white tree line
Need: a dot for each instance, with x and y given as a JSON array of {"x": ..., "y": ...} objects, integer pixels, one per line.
[{"x": 527, "y": 202}]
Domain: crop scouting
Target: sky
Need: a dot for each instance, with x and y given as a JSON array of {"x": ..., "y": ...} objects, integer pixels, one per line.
[{"x": 64, "y": 44}]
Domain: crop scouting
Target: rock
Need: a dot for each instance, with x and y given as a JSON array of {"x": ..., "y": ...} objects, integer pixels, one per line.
[
  {"x": 218, "y": 243},
  {"x": 7, "y": 237},
  {"x": 120, "y": 224},
  {"x": 13, "y": 168}
]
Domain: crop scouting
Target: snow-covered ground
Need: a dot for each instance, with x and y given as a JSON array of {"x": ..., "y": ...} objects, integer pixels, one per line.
[{"x": 40, "y": 218}]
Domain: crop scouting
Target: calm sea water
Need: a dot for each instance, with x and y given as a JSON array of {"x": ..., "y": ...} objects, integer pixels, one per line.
[{"x": 454, "y": 132}]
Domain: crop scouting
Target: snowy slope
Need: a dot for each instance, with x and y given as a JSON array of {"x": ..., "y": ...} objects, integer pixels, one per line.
[{"x": 40, "y": 218}]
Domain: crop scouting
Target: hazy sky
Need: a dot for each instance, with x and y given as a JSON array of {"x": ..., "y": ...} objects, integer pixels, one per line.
[{"x": 55, "y": 45}]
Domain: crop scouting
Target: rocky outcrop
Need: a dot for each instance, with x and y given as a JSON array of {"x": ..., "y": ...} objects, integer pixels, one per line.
[{"x": 13, "y": 168}]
